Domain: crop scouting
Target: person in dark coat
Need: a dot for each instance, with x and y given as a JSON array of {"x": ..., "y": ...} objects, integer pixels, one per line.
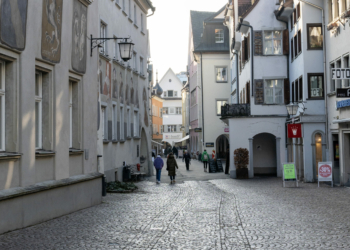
[
  {"x": 175, "y": 152},
  {"x": 187, "y": 158},
  {"x": 171, "y": 164}
]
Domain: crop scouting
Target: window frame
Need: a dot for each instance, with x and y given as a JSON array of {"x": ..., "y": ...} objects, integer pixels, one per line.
[
  {"x": 220, "y": 36},
  {"x": 103, "y": 34},
  {"x": 274, "y": 91},
  {"x": 272, "y": 39},
  {"x": 114, "y": 121},
  {"x": 136, "y": 123},
  {"x": 309, "y": 86},
  {"x": 70, "y": 114},
  {"x": 39, "y": 101},
  {"x": 346, "y": 65},
  {"x": 165, "y": 111},
  {"x": 172, "y": 109},
  {"x": 310, "y": 25},
  {"x": 128, "y": 122},
  {"x": 216, "y": 103},
  {"x": 178, "y": 110},
  {"x": 216, "y": 71},
  {"x": 172, "y": 91},
  {"x": 121, "y": 121},
  {"x": 135, "y": 14},
  {"x": 3, "y": 105}
]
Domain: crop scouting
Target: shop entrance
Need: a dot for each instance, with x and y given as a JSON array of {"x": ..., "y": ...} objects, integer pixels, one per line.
[
  {"x": 264, "y": 154},
  {"x": 222, "y": 145},
  {"x": 346, "y": 156}
]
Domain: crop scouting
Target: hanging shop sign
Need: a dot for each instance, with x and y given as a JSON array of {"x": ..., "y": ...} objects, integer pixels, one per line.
[
  {"x": 197, "y": 130},
  {"x": 209, "y": 144},
  {"x": 226, "y": 130},
  {"x": 289, "y": 173},
  {"x": 341, "y": 74},
  {"x": 343, "y": 104},
  {"x": 294, "y": 131},
  {"x": 343, "y": 93},
  {"x": 325, "y": 172}
]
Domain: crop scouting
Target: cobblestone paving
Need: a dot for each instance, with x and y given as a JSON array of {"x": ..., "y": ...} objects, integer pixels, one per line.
[{"x": 216, "y": 214}]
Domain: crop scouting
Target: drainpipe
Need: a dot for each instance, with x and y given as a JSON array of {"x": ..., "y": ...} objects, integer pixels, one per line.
[
  {"x": 325, "y": 72},
  {"x": 237, "y": 77},
  {"x": 202, "y": 96},
  {"x": 252, "y": 46}
]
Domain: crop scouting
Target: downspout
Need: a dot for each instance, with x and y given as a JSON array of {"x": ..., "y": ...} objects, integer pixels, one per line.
[
  {"x": 237, "y": 77},
  {"x": 202, "y": 96},
  {"x": 325, "y": 73},
  {"x": 252, "y": 55}
]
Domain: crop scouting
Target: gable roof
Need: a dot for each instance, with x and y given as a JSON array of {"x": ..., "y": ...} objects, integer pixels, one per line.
[
  {"x": 171, "y": 72},
  {"x": 245, "y": 7},
  {"x": 197, "y": 19}
]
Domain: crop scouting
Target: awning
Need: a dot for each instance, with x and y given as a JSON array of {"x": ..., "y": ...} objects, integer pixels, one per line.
[
  {"x": 341, "y": 121},
  {"x": 157, "y": 143},
  {"x": 183, "y": 139}
]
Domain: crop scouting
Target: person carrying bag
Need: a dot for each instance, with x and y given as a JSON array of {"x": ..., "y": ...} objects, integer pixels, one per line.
[
  {"x": 171, "y": 167},
  {"x": 205, "y": 159}
]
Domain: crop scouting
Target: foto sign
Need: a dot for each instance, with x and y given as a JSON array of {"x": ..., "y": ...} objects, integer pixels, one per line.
[
  {"x": 289, "y": 172},
  {"x": 343, "y": 93},
  {"x": 325, "y": 172},
  {"x": 341, "y": 74}
]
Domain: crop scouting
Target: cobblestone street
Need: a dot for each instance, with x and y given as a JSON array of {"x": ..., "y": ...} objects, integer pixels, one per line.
[{"x": 214, "y": 214}]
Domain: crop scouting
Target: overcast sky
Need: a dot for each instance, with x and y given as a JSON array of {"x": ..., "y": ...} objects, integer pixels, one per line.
[{"x": 169, "y": 27}]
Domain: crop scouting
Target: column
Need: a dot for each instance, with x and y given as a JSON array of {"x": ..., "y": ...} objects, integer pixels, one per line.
[
  {"x": 278, "y": 157},
  {"x": 251, "y": 162}
]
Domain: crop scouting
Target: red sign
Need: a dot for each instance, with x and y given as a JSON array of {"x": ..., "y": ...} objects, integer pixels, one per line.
[
  {"x": 294, "y": 131},
  {"x": 325, "y": 171}
]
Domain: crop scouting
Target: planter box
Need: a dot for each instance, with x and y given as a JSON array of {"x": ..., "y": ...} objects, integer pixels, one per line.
[{"x": 242, "y": 173}]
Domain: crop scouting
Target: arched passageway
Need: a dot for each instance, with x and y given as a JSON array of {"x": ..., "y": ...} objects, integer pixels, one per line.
[
  {"x": 264, "y": 154},
  {"x": 222, "y": 146}
]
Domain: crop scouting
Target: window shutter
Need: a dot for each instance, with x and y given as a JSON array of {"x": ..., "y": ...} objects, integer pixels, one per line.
[
  {"x": 240, "y": 61},
  {"x": 285, "y": 42},
  {"x": 298, "y": 11},
  {"x": 301, "y": 88},
  {"x": 291, "y": 49},
  {"x": 286, "y": 91},
  {"x": 259, "y": 91},
  {"x": 293, "y": 99},
  {"x": 295, "y": 16},
  {"x": 291, "y": 22},
  {"x": 295, "y": 46},
  {"x": 247, "y": 87},
  {"x": 299, "y": 41},
  {"x": 258, "y": 50},
  {"x": 243, "y": 50},
  {"x": 248, "y": 47}
]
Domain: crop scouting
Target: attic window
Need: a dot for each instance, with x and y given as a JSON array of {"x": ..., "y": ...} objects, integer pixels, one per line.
[{"x": 219, "y": 36}]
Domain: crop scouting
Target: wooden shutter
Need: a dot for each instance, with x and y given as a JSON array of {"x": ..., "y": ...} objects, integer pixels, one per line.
[
  {"x": 301, "y": 88},
  {"x": 286, "y": 91},
  {"x": 258, "y": 49},
  {"x": 259, "y": 91},
  {"x": 298, "y": 11},
  {"x": 240, "y": 61},
  {"x": 295, "y": 46},
  {"x": 247, "y": 92},
  {"x": 296, "y": 91},
  {"x": 299, "y": 41},
  {"x": 294, "y": 16},
  {"x": 285, "y": 42},
  {"x": 293, "y": 99},
  {"x": 248, "y": 47},
  {"x": 291, "y": 49},
  {"x": 291, "y": 22},
  {"x": 243, "y": 51}
]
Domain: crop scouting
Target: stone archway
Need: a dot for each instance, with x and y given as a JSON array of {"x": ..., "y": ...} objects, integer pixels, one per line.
[
  {"x": 264, "y": 154},
  {"x": 222, "y": 144}
]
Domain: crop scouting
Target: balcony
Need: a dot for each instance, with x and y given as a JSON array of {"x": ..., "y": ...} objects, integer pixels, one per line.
[{"x": 235, "y": 110}]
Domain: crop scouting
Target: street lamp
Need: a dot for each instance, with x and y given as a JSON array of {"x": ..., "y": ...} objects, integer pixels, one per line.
[
  {"x": 292, "y": 108},
  {"x": 126, "y": 48}
]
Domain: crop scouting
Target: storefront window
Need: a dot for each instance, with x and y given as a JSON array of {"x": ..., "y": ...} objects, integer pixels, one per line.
[{"x": 314, "y": 36}]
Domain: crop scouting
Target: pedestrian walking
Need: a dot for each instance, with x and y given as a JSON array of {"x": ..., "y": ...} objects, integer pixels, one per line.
[
  {"x": 187, "y": 158},
  {"x": 205, "y": 159},
  {"x": 171, "y": 166},
  {"x": 158, "y": 164},
  {"x": 175, "y": 152}
]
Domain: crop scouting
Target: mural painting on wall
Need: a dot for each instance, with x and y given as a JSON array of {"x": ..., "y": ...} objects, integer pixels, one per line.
[
  {"x": 13, "y": 22},
  {"x": 107, "y": 80},
  {"x": 51, "y": 30},
  {"x": 115, "y": 84},
  {"x": 79, "y": 30},
  {"x": 144, "y": 97},
  {"x": 121, "y": 92}
]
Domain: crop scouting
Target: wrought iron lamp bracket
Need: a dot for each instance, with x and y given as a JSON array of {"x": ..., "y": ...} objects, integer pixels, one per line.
[{"x": 96, "y": 42}]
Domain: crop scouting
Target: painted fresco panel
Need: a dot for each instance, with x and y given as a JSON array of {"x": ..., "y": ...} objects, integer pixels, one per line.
[
  {"x": 115, "y": 84},
  {"x": 79, "y": 38},
  {"x": 105, "y": 78},
  {"x": 136, "y": 87},
  {"x": 121, "y": 77},
  {"x": 51, "y": 30},
  {"x": 13, "y": 22}
]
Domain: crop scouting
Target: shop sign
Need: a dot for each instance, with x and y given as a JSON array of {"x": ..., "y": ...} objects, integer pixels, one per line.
[
  {"x": 343, "y": 104},
  {"x": 172, "y": 136},
  {"x": 289, "y": 173},
  {"x": 209, "y": 144},
  {"x": 227, "y": 130},
  {"x": 294, "y": 131},
  {"x": 197, "y": 130},
  {"x": 341, "y": 74},
  {"x": 343, "y": 93},
  {"x": 325, "y": 172}
]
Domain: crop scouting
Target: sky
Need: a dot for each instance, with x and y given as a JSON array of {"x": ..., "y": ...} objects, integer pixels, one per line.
[{"x": 169, "y": 28}]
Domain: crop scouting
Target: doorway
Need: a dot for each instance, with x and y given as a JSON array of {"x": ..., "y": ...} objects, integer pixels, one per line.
[
  {"x": 346, "y": 156},
  {"x": 222, "y": 144},
  {"x": 264, "y": 154}
]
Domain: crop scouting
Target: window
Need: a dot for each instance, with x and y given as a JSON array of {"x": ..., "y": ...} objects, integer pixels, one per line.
[
  {"x": 165, "y": 94},
  {"x": 136, "y": 124},
  {"x": 175, "y": 93},
  {"x": 273, "y": 42},
  {"x": 298, "y": 11},
  {"x": 291, "y": 49},
  {"x": 178, "y": 111},
  {"x": 218, "y": 106},
  {"x": 301, "y": 89},
  {"x": 160, "y": 112},
  {"x": 221, "y": 74},
  {"x": 71, "y": 114},
  {"x": 296, "y": 91},
  {"x": 104, "y": 120},
  {"x": 171, "y": 111},
  {"x": 141, "y": 22},
  {"x": 2, "y": 106},
  {"x": 338, "y": 83},
  {"x": 219, "y": 36},
  {"x": 38, "y": 109},
  {"x": 103, "y": 34},
  {"x": 134, "y": 60},
  {"x": 194, "y": 97},
  {"x": 114, "y": 122},
  {"x": 315, "y": 82},
  {"x": 170, "y": 93},
  {"x": 293, "y": 90},
  {"x": 295, "y": 46},
  {"x": 299, "y": 41},
  {"x": 273, "y": 91},
  {"x": 135, "y": 14},
  {"x": 130, "y": 9},
  {"x": 314, "y": 37},
  {"x": 161, "y": 129},
  {"x": 165, "y": 111},
  {"x": 346, "y": 83},
  {"x": 141, "y": 65},
  {"x": 171, "y": 128},
  {"x": 121, "y": 118},
  {"x": 124, "y": 5},
  {"x": 128, "y": 120}
]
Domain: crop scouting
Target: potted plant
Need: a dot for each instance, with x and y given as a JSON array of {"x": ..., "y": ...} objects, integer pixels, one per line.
[{"x": 241, "y": 160}]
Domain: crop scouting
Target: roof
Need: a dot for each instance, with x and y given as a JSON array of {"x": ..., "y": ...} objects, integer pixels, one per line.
[
  {"x": 171, "y": 71},
  {"x": 197, "y": 19},
  {"x": 245, "y": 7}
]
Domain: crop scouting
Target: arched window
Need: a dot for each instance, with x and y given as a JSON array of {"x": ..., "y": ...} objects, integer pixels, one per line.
[{"x": 318, "y": 142}]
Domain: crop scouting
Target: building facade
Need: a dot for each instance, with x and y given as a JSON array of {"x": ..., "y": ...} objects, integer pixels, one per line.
[
  {"x": 124, "y": 135},
  {"x": 157, "y": 119},
  {"x": 48, "y": 115}
]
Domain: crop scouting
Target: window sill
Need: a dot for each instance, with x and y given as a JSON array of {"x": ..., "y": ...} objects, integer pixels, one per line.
[
  {"x": 143, "y": 77},
  {"x": 135, "y": 72},
  {"x": 124, "y": 13},
  {"x": 116, "y": 61},
  {"x": 137, "y": 138},
  {"x": 142, "y": 33},
  {"x": 44, "y": 153},
  {"x": 221, "y": 82},
  {"x": 106, "y": 57},
  {"x": 73, "y": 151},
  {"x": 115, "y": 141},
  {"x": 9, "y": 156},
  {"x": 135, "y": 25},
  {"x": 128, "y": 138},
  {"x": 315, "y": 99},
  {"x": 331, "y": 93},
  {"x": 129, "y": 68},
  {"x": 130, "y": 20},
  {"x": 106, "y": 141},
  {"x": 119, "y": 7},
  {"x": 122, "y": 141}
]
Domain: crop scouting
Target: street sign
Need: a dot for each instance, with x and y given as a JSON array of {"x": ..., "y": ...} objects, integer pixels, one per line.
[
  {"x": 209, "y": 144},
  {"x": 289, "y": 173},
  {"x": 325, "y": 172},
  {"x": 341, "y": 74},
  {"x": 343, "y": 93},
  {"x": 343, "y": 104},
  {"x": 197, "y": 130},
  {"x": 294, "y": 131}
]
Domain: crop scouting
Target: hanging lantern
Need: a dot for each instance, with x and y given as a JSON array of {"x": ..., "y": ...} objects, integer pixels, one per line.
[{"x": 126, "y": 49}]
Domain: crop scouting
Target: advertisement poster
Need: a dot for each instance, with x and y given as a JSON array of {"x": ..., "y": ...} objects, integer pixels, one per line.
[{"x": 325, "y": 171}]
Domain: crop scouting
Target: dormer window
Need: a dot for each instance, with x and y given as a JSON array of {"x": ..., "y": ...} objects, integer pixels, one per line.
[{"x": 219, "y": 36}]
